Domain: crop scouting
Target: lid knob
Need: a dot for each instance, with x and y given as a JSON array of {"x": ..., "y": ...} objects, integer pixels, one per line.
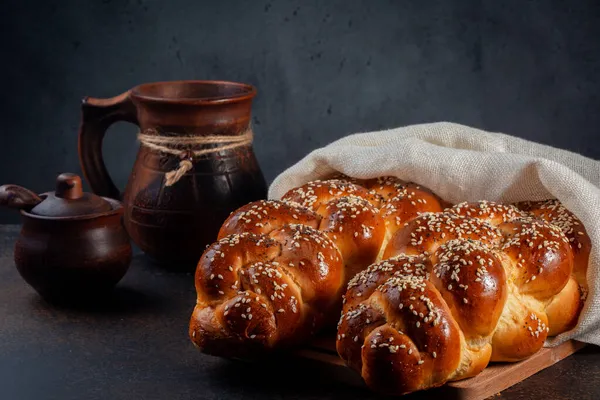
[
  {"x": 68, "y": 200},
  {"x": 68, "y": 186}
]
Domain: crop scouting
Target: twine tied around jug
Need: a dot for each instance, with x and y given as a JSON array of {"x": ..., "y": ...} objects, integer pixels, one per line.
[{"x": 188, "y": 147}]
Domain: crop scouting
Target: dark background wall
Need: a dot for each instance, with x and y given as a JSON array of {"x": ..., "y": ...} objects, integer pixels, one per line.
[{"x": 324, "y": 69}]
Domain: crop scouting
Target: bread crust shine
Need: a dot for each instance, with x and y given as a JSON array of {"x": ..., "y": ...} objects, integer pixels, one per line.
[
  {"x": 270, "y": 261},
  {"x": 498, "y": 278},
  {"x": 433, "y": 292}
]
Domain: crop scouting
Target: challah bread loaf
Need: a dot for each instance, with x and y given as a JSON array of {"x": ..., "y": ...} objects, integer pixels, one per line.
[
  {"x": 345, "y": 226},
  {"x": 255, "y": 291},
  {"x": 457, "y": 289}
]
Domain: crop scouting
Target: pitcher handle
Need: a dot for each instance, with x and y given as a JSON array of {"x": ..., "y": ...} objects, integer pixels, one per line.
[{"x": 97, "y": 115}]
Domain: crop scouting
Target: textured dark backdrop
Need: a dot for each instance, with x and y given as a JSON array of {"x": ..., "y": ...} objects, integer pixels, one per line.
[{"x": 323, "y": 69}]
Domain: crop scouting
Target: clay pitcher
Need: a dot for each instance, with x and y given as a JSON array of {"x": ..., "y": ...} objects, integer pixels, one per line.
[{"x": 170, "y": 221}]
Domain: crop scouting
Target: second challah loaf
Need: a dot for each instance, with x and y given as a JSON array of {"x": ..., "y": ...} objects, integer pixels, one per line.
[
  {"x": 457, "y": 289},
  {"x": 279, "y": 269}
]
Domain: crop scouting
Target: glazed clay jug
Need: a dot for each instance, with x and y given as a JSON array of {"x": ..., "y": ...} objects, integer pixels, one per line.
[{"x": 194, "y": 166}]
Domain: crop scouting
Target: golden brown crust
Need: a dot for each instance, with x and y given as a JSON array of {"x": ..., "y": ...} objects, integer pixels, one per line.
[
  {"x": 357, "y": 229},
  {"x": 520, "y": 333},
  {"x": 541, "y": 259},
  {"x": 488, "y": 211},
  {"x": 348, "y": 215},
  {"x": 402, "y": 208},
  {"x": 472, "y": 281},
  {"x": 460, "y": 286},
  {"x": 424, "y": 234},
  {"x": 400, "y": 201},
  {"x": 397, "y": 330},
  {"x": 263, "y": 216},
  {"x": 502, "y": 276},
  {"x": 361, "y": 215},
  {"x": 556, "y": 214},
  {"x": 316, "y": 194},
  {"x": 257, "y": 254},
  {"x": 564, "y": 308},
  {"x": 258, "y": 292}
]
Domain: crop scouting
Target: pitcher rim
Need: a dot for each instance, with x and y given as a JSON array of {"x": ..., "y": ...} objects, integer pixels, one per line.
[{"x": 248, "y": 94}]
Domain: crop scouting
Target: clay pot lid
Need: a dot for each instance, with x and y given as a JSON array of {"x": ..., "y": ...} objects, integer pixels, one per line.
[{"x": 69, "y": 200}]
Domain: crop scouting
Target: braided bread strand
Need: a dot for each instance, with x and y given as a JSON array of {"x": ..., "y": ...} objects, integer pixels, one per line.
[
  {"x": 278, "y": 271},
  {"x": 476, "y": 283},
  {"x": 255, "y": 291}
]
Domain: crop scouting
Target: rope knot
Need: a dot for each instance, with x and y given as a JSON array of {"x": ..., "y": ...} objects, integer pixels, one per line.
[
  {"x": 174, "y": 176},
  {"x": 188, "y": 147}
]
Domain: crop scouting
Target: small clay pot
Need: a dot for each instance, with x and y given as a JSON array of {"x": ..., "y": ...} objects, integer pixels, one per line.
[{"x": 72, "y": 245}]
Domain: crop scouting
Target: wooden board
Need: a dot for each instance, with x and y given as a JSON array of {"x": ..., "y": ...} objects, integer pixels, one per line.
[{"x": 495, "y": 378}]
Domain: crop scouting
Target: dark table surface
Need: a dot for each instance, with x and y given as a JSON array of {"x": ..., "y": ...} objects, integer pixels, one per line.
[{"x": 136, "y": 346}]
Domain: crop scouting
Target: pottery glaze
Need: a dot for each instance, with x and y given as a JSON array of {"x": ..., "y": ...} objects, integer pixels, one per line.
[
  {"x": 173, "y": 224},
  {"x": 72, "y": 246}
]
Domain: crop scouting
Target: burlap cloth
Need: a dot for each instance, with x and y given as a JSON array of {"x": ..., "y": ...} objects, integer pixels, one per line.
[{"x": 466, "y": 164}]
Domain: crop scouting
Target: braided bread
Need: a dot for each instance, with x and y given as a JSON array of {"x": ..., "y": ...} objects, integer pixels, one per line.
[
  {"x": 478, "y": 282},
  {"x": 258, "y": 290},
  {"x": 277, "y": 273}
]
